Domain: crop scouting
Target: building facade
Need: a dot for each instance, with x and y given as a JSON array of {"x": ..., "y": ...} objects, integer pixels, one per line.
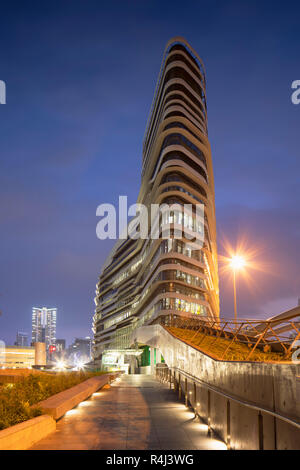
[
  {"x": 21, "y": 339},
  {"x": 80, "y": 350},
  {"x": 146, "y": 278},
  {"x": 22, "y": 357},
  {"x": 44, "y": 326},
  {"x": 60, "y": 350},
  {"x": 17, "y": 357},
  {"x": 60, "y": 345}
]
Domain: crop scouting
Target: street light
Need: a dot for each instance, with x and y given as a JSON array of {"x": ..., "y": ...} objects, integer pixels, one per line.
[{"x": 237, "y": 262}]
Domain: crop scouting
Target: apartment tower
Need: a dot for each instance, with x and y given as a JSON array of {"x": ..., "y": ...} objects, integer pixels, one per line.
[
  {"x": 44, "y": 326},
  {"x": 143, "y": 279}
]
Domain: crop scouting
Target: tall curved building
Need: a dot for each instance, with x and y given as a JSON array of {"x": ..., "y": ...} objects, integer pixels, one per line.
[{"x": 145, "y": 278}]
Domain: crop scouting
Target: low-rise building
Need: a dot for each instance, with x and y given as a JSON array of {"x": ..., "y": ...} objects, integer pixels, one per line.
[{"x": 21, "y": 357}]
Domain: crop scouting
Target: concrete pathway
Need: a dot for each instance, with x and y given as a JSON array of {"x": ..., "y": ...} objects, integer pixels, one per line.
[{"x": 137, "y": 412}]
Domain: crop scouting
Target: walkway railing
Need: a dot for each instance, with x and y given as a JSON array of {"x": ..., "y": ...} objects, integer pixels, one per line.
[
  {"x": 251, "y": 339},
  {"x": 180, "y": 379}
]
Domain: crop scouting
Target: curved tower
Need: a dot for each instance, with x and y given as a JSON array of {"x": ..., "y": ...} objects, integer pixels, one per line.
[{"x": 145, "y": 278}]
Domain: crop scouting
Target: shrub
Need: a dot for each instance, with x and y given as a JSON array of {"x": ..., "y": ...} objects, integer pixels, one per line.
[{"x": 16, "y": 399}]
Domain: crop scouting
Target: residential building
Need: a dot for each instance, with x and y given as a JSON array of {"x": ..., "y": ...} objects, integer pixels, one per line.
[
  {"x": 144, "y": 279},
  {"x": 80, "y": 350},
  {"x": 44, "y": 326}
]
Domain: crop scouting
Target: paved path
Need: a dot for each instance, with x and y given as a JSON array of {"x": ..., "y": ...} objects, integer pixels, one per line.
[{"x": 137, "y": 412}]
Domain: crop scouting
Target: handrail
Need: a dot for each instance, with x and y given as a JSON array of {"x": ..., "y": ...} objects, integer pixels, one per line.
[
  {"x": 268, "y": 339},
  {"x": 237, "y": 400}
]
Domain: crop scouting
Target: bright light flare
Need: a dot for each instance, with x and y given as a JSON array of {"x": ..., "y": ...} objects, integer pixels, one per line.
[
  {"x": 71, "y": 412},
  {"x": 85, "y": 403},
  {"x": 79, "y": 365},
  {"x": 60, "y": 365},
  {"x": 237, "y": 262},
  {"x": 242, "y": 259},
  {"x": 254, "y": 254}
]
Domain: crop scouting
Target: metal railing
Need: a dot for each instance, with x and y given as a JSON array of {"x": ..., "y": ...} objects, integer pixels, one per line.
[
  {"x": 273, "y": 338},
  {"x": 165, "y": 374},
  {"x": 168, "y": 375}
]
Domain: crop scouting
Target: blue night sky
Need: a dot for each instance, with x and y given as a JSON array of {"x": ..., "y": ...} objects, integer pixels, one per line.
[{"x": 80, "y": 79}]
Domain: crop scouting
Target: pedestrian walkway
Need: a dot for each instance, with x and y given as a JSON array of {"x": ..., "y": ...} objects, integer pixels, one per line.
[{"x": 137, "y": 412}]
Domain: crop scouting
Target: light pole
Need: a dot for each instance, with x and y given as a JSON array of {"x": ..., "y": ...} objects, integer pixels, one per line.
[{"x": 237, "y": 262}]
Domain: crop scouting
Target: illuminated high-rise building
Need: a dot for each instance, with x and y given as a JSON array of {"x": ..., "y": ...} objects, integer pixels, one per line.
[
  {"x": 143, "y": 279},
  {"x": 44, "y": 326}
]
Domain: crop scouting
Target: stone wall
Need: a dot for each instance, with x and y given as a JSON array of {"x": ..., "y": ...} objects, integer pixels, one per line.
[{"x": 271, "y": 386}]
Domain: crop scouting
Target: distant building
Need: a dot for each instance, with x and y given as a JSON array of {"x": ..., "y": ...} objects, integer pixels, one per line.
[
  {"x": 60, "y": 345},
  {"x": 21, "y": 339},
  {"x": 40, "y": 354},
  {"x": 22, "y": 357},
  {"x": 80, "y": 350},
  {"x": 44, "y": 326},
  {"x": 60, "y": 350}
]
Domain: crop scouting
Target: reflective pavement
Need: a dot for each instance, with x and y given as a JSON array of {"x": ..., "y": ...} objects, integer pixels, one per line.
[{"x": 137, "y": 412}]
